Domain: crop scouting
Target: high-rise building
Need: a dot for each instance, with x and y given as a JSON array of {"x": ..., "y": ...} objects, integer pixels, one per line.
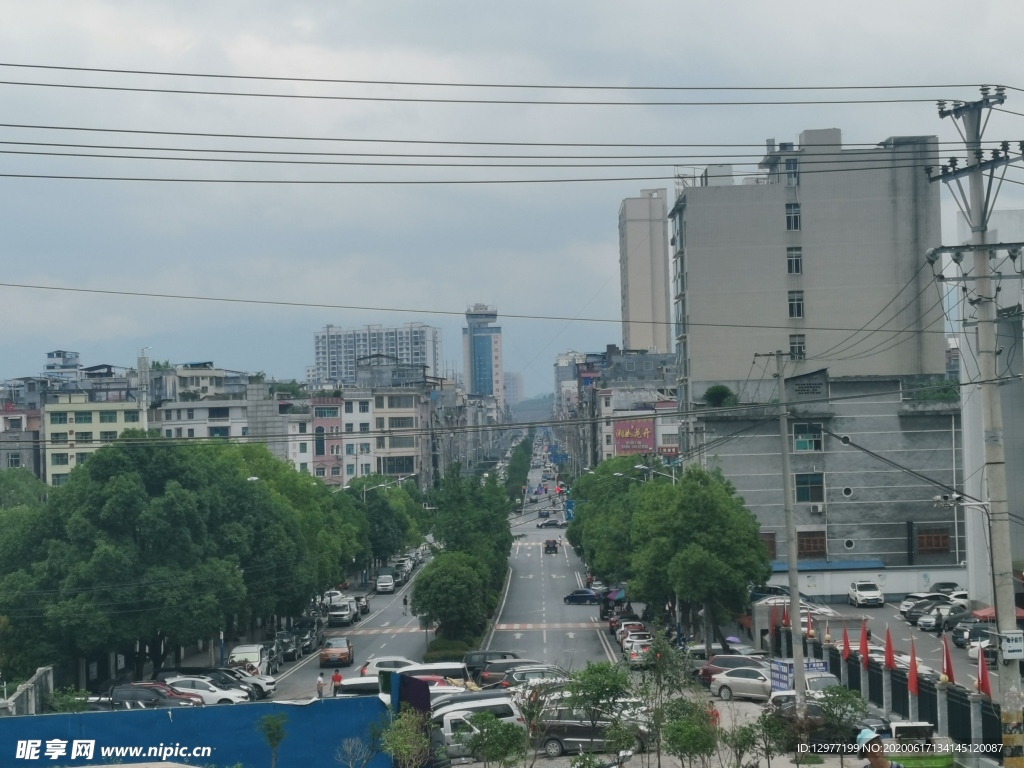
[
  {"x": 643, "y": 268},
  {"x": 825, "y": 241},
  {"x": 336, "y": 350},
  {"x": 481, "y": 354},
  {"x": 514, "y": 392}
]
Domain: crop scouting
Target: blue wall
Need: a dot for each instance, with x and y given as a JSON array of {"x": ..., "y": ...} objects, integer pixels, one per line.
[{"x": 313, "y": 731}]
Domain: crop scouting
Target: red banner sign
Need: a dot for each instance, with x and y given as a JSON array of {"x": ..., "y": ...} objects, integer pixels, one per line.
[{"x": 634, "y": 436}]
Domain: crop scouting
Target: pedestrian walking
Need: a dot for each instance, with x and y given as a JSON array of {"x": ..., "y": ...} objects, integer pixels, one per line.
[
  {"x": 336, "y": 682},
  {"x": 405, "y": 605},
  {"x": 320, "y": 686}
]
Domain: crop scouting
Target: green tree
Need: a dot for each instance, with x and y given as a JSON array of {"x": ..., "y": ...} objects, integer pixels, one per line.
[
  {"x": 597, "y": 690},
  {"x": 406, "y": 739},
  {"x": 448, "y": 591},
  {"x": 770, "y": 733},
  {"x": 718, "y": 395},
  {"x": 519, "y": 466},
  {"x": 664, "y": 678},
  {"x": 19, "y": 487},
  {"x": 691, "y": 736},
  {"x": 272, "y": 728},
  {"x": 841, "y": 709},
  {"x": 496, "y": 742}
]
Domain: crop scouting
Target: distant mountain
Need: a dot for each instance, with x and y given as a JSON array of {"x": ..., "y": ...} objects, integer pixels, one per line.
[{"x": 534, "y": 409}]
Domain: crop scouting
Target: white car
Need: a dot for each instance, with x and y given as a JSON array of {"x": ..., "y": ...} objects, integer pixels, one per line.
[
  {"x": 865, "y": 593},
  {"x": 818, "y": 609},
  {"x": 208, "y": 690},
  {"x": 916, "y": 597},
  {"x": 388, "y": 663},
  {"x": 972, "y": 651},
  {"x": 265, "y": 685}
]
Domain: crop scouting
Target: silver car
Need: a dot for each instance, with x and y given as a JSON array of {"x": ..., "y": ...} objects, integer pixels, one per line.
[{"x": 742, "y": 683}]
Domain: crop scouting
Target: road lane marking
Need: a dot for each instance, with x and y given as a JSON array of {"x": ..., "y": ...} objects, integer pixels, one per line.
[{"x": 553, "y": 625}]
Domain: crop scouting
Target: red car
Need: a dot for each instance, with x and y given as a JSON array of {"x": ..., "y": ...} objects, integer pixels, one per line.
[
  {"x": 613, "y": 622},
  {"x": 170, "y": 693}
]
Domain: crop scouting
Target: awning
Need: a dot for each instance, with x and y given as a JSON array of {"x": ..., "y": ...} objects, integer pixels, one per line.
[{"x": 990, "y": 613}]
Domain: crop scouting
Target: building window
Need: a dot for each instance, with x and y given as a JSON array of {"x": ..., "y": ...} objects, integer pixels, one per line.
[
  {"x": 168, "y": 415},
  {"x": 80, "y": 458},
  {"x": 83, "y": 417},
  {"x": 403, "y": 441},
  {"x": 348, "y": 407},
  {"x": 335, "y": 450},
  {"x": 810, "y": 544},
  {"x": 303, "y": 467},
  {"x": 364, "y": 426},
  {"x": 220, "y": 431},
  {"x": 350, "y": 449},
  {"x": 795, "y": 261},
  {"x": 364, "y": 447},
  {"x": 302, "y": 427},
  {"x": 133, "y": 416},
  {"x": 320, "y": 472},
  {"x": 303, "y": 447},
  {"x": 58, "y": 480},
  {"x": 607, "y": 439},
  {"x": 797, "y": 346},
  {"x": 402, "y": 422},
  {"x": 59, "y": 459},
  {"x": 366, "y": 467},
  {"x": 631, "y": 365},
  {"x": 349, "y": 427},
  {"x": 58, "y": 417},
  {"x": 324, "y": 412},
  {"x": 807, "y": 437},
  {"x": 792, "y": 172},
  {"x": 796, "y": 304},
  {"x": 364, "y": 406},
  {"x": 108, "y": 417},
  {"x": 932, "y": 541},
  {"x": 219, "y": 413},
  {"x": 83, "y": 438},
  {"x": 245, "y": 431},
  {"x": 335, "y": 471},
  {"x": 810, "y": 488},
  {"x": 59, "y": 438},
  {"x": 793, "y": 217},
  {"x": 190, "y": 413},
  {"x": 108, "y": 437},
  {"x": 318, "y": 442},
  {"x": 191, "y": 433},
  {"x": 401, "y": 401},
  {"x": 379, "y": 422},
  {"x": 350, "y": 469},
  {"x": 13, "y": 460},
  {"x": 380, "y": 443},
  {"x": 378, "y": 401},
  {"x": 768, "y": 539}
]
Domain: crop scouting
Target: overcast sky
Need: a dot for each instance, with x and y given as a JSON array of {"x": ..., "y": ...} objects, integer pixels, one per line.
[{"x": 528, "y": 248}]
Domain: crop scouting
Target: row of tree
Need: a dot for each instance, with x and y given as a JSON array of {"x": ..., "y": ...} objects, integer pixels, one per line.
[
  {"x": 686, "y": 540},
  {"x": 155, "y": 543},
  {"x": 519, "y": 467}
]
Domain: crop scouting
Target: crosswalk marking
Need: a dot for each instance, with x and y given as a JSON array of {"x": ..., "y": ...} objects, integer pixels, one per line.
[{"x": 556, "y": 625}]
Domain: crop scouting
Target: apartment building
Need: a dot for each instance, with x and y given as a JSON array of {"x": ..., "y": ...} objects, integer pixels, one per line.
[
  {"x": 337, "y": 351},
  {"x": 74, "y": 427},
  {"x": 643, "y": 272},
  {"x": 20, "y": 439}
]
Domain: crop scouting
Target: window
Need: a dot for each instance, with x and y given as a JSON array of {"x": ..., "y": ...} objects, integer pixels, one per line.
[
  {"x": 364, "y": 426},
  {"x": 796, "y": 304},
  {"x": 13, "y": 460},
  {"x": 793, "y": 217},
  {"x": 335, "y": 471},
  {"x": 83, "y": 438},
  {"x": 108, "y": 417},
  {"x": 403, "y": 441},
  {"x": 13, "y": 424},
  {"x": 810, "y": 544},
  {"x": 768, "y": 539},
  {"x": 59, "y": 459},
  {"x": 380, "y": 442},
  {"x": 220, "y": 431},
  {"x": 81, "y": 457},
  {"x": 350, "y": 449},
  {"x": 810, "y": 488},
  {"x": 303, "y": 467},
  {"x": 108, "y": 437},
  {"x": 797, "y": 346},
  {"x": 397, "y": 465},
  {"x": 190, "y": 413},
  {"x": 807, "y": 437},
  {"x": 379, "y": 422},
  {"x": 795, "y": 261},
  {"x": 59, "y": 479},
  {"x": 400, "y": 401},
  {"x": 83, "y": 417},
  {"x": 168, "y": 415},
  {"x": 932, "y": 541},
  {"x": 378, "y": 401},
  {"x": 59, "y": 438},
  {"x": 631, "y": 365},
  {"x": 348, "y": 407},
  {"x": 349, "y": 427},
  {"x": 648, "y": 365},
  {"x": 607, "y": 402},
  {"x": 167, "y": 432},
  {"x": 133, "y": 416},
  {"x": 364, "y": 447},
  {"x": 607, "y": 439},
  {"x": 59, "y": 417},
  {"x": 320, "y": 472},
  {"x": 318, "y": 442},
  {"x": 401, "y": 422},
  {"x": 220, "y": 413},
  {"x": 350, "y": 469},
  {"x": 191, "y": 433},
  {"x": 364, "y": 406},
  {"x": 303, "y": 447},
  {"x": 245, "y": 431},
  {"x": 792, "y": 172},
  {"x": 302, "y": 427},
  {"x": 366, "y": 468},
  {"x": 323, "y": 412},
  {"x": 336, "y": 450}
]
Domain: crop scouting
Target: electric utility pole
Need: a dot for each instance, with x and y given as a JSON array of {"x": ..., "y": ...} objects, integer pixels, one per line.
[{"x": 970, "y": 119}]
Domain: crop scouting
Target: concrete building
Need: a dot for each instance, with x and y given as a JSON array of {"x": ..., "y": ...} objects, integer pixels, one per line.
[
  {"x": 481, "y": 353},
  {"x": 643, "y": 270},
  {"x": 192, "y": 382},
  {"x": 20, "y": 443},
  {"x": 75, "y": 427},
  {"x": 824, "y": 240},
  {"x": 337, "y": 350},
  {"x": 565, "y": 391},
  {"x": 514, "y": 390}
]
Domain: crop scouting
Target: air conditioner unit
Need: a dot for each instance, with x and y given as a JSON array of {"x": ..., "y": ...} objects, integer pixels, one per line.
[{"x": 817, "y": 509}]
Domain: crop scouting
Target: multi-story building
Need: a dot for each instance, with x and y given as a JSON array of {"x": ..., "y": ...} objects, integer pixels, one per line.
[
  {"x": 74, "y": 427},
  {"x": 629, "y": 423},
  {"x": 643, "y": 269},
  {"x": 191, "y": 382},
  {"x": 566, "y": 393},
  {"x": 201, "y": 420},
  {"x": 338, "y": 350},
  {"x": 20, "y": 445},
  {"x": 825, "y": 241},
  {"x": 482, "y": 355},
  {"x": 514, "y": 392}
]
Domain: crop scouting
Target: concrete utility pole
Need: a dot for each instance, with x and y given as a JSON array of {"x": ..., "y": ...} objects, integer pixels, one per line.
[
  {"x": 977, "y": 209},
  {"x": 143, "y": 368},
  {"x": 792, "y": 550}
]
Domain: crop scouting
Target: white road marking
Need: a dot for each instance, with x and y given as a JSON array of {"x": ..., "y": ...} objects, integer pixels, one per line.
[
  {"x": 517, "y": 635},
  {"x": 570, "y": 635},
  {"x": 385, "y": 623}
]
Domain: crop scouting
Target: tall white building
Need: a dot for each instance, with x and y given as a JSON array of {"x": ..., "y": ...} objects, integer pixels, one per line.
[
  {"x": 482, "y": 354},
  {"x": 643, "y": 269},
  {"x": 824, "y": 241},
  {"x": 514, "y": 391},
  {"x": 336, "y": 350}
]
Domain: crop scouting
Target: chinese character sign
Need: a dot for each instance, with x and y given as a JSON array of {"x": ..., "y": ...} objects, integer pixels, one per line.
[{"x": 634, "y": 436}]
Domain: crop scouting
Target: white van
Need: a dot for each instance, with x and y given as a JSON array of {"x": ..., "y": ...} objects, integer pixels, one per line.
[
  {"x": 385, "y": 584},
  {"x": 453, "y": 721}
]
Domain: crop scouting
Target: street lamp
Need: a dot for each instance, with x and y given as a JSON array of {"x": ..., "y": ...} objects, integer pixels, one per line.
[
  {"x": 619, "y": 474},
  {"x": 655, "y": 472}
]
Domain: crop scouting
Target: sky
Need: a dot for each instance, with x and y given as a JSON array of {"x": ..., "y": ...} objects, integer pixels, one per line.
[{"x": 418, "y": 250}]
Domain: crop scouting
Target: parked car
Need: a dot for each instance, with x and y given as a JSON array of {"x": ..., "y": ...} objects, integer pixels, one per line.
[
  {"x": 943, "y": 617},
  {"x": 971, "y": 629},
  {"x": 919, "y": 609},
  {"x": 494, "y": 672},
  {"x": 563, "y": 730},
  {"x": 310, "y": 632},
  {"x": 477, "y": 660},
  {"x": 865, "y": 593},
  {"x": 384, "y": 663},
  {"x": 209, "y": 690},
  {"x": 276, "y": 654},
  {"x": 148, "y": 695},
  {"x": 219, "y": 676},
  {"x": 916, "y": 597},
  {"x": 265, "y": 685},
  {"x": 946, "y": 587},
  {"x": 819, "y": 734},
  {"x": 363, "y": 603},
  {"x": 741, "y": 683},
  {"x": 337, "y": 651},
  {"x": 291, "y": 647},
  {"x": 253, "y": 657},
  {"x": 722, "y": 662},
  {"x": 635, "y": 638},
  {"x": 339, "y": 615},
  {"x": 582, "y": 597},
  {"x": 616, "y": 618},
  {"x": 530, "y": 675},
  {"x": 625, "y": 628}
]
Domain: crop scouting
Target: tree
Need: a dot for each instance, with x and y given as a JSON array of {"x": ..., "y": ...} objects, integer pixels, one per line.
[
  {"x": 272, "y": 728},
  {"x": 691, "y": 736},
  {"x": 494, "y": 741},
  {"x": 448, "y": 591},
  {"x": 664, "y": 677},
  {"x": 405, "y": 738},
  {"x": 19, "y": 487},
  {"x": 356, "y": 752},
  {"x": 597, "y": 690},
  {"x": 770, "y": 733},
  {"x": 841, "y": 709},
  {"x": 718, "y": 395}
]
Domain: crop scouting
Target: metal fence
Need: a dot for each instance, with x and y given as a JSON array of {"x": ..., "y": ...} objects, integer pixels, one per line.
[
  {"x": 959, "y": 715},
  {"x": 875, "y": 684},
  {"x": 900, "y": 694},
  {"x": 31, "y": 696}
]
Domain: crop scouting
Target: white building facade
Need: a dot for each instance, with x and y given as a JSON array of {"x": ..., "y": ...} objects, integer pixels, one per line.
[
  {"x": 336, "y": 350},
  {"x": 643, "y": 272}
]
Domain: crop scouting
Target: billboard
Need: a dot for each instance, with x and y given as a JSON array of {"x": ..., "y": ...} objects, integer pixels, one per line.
[{"x": 634, "y": 436}]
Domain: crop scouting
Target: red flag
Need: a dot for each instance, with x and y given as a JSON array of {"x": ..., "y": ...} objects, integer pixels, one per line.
[
  {"x": 947, "y": 660},
  {"x": 775, "y": 618},
  {"x": 912, "y": 675},
  {"x": 890, "y": 657},
  {"x": 846, "y": 644},
  {"x": 983, "y": 684},
  {"x": 864, "y": 643},
  {"x": 785, "y": 616},
  {"x": 810, "y": 625}
]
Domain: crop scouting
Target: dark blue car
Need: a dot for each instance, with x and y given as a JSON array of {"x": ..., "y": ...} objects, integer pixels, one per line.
[{"x": 582, "y": 597}]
